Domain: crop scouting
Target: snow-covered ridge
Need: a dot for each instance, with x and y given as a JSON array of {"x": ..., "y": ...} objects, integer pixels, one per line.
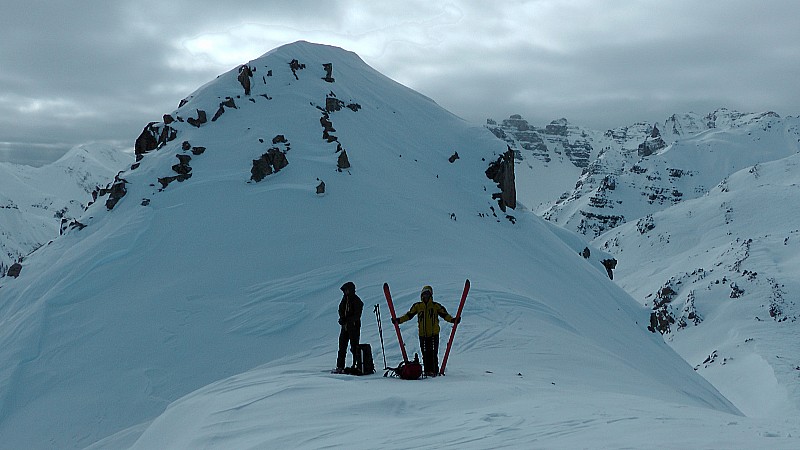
[
  {"x": 35, "y": 201},
  {"x": 190, "y": 309}
]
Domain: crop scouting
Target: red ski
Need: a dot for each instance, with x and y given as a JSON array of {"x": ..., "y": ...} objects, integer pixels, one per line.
[
  {"x": 455, "y": 325},
  {"x": 394, "y": 321}
]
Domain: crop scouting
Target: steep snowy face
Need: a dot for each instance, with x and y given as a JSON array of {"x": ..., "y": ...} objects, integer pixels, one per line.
[
  {"x": 720, "y": 274},
  {"x": 36, "y": 204},
  {"x": 644, "y": 169},
  {"x": 222, "y": 248}
]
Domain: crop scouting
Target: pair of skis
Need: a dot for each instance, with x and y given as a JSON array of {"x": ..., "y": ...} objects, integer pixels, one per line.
[{"x": 452, "y": 332}]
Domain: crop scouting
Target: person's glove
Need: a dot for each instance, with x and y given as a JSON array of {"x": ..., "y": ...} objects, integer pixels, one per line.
[
  {"x": 341, "y": 321},
  {"x": 395, "y": 320},
  {"x": 456, "y": 320}
]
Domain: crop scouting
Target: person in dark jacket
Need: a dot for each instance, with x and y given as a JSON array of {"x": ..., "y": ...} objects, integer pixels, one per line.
[
  {"x": 350, "y": 319},
  {"x": 428, "y": 313}
]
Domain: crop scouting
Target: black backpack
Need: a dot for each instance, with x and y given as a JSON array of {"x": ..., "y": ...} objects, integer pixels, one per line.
[{"x": 367, "y": 364}]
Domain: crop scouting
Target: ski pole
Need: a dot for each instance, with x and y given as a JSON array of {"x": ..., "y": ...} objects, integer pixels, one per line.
[{"x": 380, "y": 332}]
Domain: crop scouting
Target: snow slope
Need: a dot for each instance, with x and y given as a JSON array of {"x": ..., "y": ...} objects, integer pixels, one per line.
[
  {"x": 201, "y": 313},
  {"x": 33, "y": 200},
  {"x": 729, "y": 260}
]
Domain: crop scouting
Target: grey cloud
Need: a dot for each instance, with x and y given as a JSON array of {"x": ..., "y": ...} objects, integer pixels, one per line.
[{"x": 74, "y": 72}]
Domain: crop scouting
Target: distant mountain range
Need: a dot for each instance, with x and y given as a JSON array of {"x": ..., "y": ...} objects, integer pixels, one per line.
[
  {"x": 36, "y": 201},
  {"x": 607, "y": 178},
  {"x": 700, "y": 213}
]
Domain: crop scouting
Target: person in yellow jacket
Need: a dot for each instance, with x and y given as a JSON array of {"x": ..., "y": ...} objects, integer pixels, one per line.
[{"x": 428, "y": 313}]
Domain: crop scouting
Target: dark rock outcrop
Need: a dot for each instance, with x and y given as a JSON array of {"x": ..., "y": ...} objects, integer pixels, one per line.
[
  {"x": 270, "y": 162},
  {"x": 557, "y": 127},
  {"x": 295, "y": 66},
  {"x": 653, "y": 143},
  {"x": 229, "y": 103},
  {"x": 182, "y": 167},
  {"x": 343, "y": 162},
  {"x": 245, "y": 73},
  {"x": 146, "y": 141},
  {"x": 333, "y": 104},
  {"x": 14, "y": 270},
  {"x": 501, "y": 172},
  {"x": 66, "y": 225},
  {"x": 328, "y": 72},
  {"x": 327, "y": 128},
  {"x": 115, "y": 192},
  {"x": 201, "y": 119},
  {"x": 610, "y": 265}
]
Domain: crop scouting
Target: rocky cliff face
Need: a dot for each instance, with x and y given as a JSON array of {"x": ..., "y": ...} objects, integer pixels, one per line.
[
  {"x": 633, "y": 171},
  {"x": 559, "y": 137}
]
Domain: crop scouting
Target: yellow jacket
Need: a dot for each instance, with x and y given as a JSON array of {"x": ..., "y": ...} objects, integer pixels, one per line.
[{"x": 428, "y": 313}]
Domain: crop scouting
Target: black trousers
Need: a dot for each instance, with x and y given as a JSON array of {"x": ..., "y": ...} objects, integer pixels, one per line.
[
  {"x": 429, "y": 345},
  {"x": 350, "y": 336}
]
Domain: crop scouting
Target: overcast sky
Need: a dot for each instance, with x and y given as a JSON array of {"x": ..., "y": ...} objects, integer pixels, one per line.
[{"x": 74, "y": 71}]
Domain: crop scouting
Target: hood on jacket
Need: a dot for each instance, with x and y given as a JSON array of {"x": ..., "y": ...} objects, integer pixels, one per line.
[{"x": 349, "y": 285}]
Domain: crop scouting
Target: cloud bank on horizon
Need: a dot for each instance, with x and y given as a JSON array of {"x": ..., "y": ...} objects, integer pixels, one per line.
[{"x": 102, "y": 71}]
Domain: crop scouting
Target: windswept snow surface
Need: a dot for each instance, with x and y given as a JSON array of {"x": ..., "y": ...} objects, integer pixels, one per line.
[{"x": 203, "y": 314}]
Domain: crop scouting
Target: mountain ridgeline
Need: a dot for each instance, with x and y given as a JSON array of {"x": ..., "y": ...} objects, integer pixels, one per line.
[{"x": 627, "y": 173}]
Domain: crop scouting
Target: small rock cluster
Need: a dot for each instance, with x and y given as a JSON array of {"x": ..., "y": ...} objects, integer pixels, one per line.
[{"x": 272, "y": 161}]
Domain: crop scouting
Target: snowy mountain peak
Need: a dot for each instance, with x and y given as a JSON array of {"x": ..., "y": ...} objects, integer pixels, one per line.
[
  {"x": 329, "y": 91},
  {"x": 201, "y": 294}
]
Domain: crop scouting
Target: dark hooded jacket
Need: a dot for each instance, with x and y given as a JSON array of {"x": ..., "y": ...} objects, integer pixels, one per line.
[{"x": 350, "y": 308}]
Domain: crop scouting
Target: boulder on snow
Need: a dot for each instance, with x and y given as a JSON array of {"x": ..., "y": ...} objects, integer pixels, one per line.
[
  {"x": 609, "y": 264},
  {"x": 14, "y": 270},
  {"x": 321, "y": 188},
  {"x": 343, "y": 162}
]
